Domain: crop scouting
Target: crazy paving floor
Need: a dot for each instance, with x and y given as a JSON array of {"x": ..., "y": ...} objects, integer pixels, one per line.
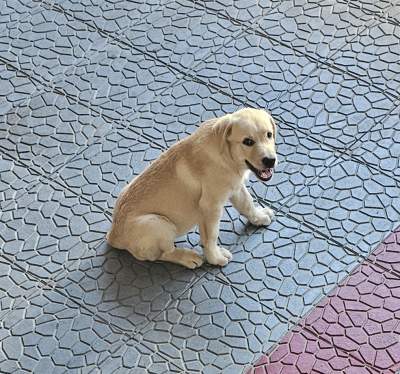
[{"x": 92, "y": 91}]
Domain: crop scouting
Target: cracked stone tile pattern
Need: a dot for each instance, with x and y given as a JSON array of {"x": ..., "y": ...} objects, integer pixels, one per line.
[
  {"x": 358, "y": 322},
  {"x": 92, "y": 91}
]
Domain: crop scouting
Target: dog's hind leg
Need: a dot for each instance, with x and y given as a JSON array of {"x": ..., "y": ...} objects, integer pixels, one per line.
[{"x": 152, "y": 238}]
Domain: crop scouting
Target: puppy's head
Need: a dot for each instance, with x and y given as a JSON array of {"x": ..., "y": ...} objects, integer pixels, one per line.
[{"x": 250, "y": 135}]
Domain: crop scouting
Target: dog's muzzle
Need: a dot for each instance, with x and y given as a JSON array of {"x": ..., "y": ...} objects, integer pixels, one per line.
[{"x": 262, "y": 174}]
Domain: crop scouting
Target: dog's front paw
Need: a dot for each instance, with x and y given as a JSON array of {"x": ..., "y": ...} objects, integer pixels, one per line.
[
  {"x": 262, "y": 216},
  {"x": 219, "y": 256}
]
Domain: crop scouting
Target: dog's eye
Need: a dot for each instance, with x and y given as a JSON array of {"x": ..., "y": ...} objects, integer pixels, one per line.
[
  {"x": 249, "y": 142},
  {"x": 269, "y": 135}
]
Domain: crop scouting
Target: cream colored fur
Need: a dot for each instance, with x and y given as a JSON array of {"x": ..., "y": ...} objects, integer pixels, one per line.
[{"x": 188, "y": 185}]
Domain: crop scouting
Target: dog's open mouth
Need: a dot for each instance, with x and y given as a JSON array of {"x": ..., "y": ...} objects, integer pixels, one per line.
[{"x": 262, "y": 174}]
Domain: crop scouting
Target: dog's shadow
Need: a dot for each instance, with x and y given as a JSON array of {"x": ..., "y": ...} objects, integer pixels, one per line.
[{"x": 131, "y": 291}]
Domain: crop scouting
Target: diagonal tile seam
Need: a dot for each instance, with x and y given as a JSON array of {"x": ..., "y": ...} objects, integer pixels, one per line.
[
  {"x": 141, "y": 326},
  {"x": 345, "y": 247},
  {"x": 187, "y": 75},
  {"x": 320, "y": 62},
  {"x": 160, "y": 354},
  {"x": 358, "y": 139},
  {"x": 30, "y": 185},
  {"x": 332, "y": 344},
  {"x": 91, "y": 108},
  {"x": 52, "y": 283},
  {"x": 292, "y": 321},
  {"x": 221, "y": 281},
  {"x": 246, "y": 24},
  {"x": 326, "y": 61},
  {"x": 151, "y": 140},
  {"x": 313, "y": 333},
  {"x": 43, "y": 286},
  {"x": 315, "y": 228},
  {"x": 116, "y": 37},
  {"x": 24, "y": 16},
  {"x": 330, "y": 64},
  {"x": 49, "y": 178},
  {"x": 55, "y": 276},
  {"x": 190, "y": 285},
  {"x": 39, "y": 86},
  {"x": 52, "y": 177},
  {"x": 58, "y": 91},
  {"x": 126, "y": 43},
  {"x": 381, "y": 15},
  {"x": 294, "y": 324},
  {"x": 217, "y": 277},
  {"x": 107, "y": 35},
  {"x": 168, "y": 87},
  {"x": 37, "y": 287}
]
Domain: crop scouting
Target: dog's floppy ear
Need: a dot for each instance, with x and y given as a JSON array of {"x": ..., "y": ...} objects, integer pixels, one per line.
[{"x": 222, "y": 129}]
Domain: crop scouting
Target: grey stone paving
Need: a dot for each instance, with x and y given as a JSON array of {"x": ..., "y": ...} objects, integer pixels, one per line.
[{"x": 91, "y": 91}]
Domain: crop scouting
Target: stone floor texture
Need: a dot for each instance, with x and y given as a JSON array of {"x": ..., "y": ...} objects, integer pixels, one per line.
[{"x": 91, "y": 91}]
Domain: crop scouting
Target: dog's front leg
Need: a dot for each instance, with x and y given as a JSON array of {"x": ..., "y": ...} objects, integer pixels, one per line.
[
  {"x": 209, "y": 228},
  {"x": 243, "y": 202}
]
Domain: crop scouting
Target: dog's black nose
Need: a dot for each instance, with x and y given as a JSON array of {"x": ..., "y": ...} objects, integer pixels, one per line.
[{"x": 268, "y": 162}]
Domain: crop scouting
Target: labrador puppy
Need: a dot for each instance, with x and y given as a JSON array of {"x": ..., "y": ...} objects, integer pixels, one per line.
[{"x": 189, "y": 184}]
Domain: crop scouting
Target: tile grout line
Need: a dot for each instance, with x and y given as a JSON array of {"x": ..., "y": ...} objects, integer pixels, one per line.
[
  {"x": 193, "y": 78},
  {"x": 199, "y": 63},
  {"x": 381, "y": 16},
  {"x": 349, "y": 355},
  {"x": 196, "y": 280},
  {"x": 112, "y": 326},
  {"x": 336, "y": 242},
  {"x": 244, "y": 30},
  {"x": 200, "y": 278},
  {"x": 153, "y": 141},
  {"x": 50, "y": 178},
  {"x": 53, "y": 175},
  {"x": 24, "y": 16},
  {"x": 360, "y": 261},
  {"x": 38, "y": 283},
  {"x": 332, "y": 344},
  {"x": 105, "y": 117},
  {"x": 121, "y": 42},
  {"x": 323, "y": 61},
  {"x": 41, "y": 285}
]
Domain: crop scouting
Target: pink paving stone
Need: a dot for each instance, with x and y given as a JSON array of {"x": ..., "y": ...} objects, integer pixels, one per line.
[
  {"x": 301, "y": 352},
  {"x": 374, "y": 341},
  {"x": 355, "y": 330},
  {"x": 387, "y": 254}
]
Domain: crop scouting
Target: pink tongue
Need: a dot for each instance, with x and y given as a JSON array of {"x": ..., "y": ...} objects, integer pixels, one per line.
[{"x": 266, "y": 173}]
